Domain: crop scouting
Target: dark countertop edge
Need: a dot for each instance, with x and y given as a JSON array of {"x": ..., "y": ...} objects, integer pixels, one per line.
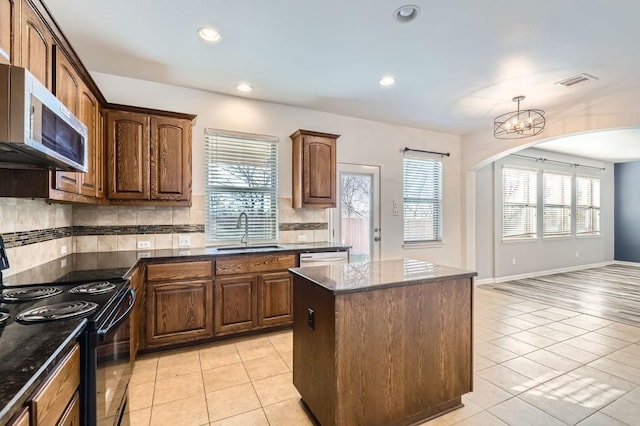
[
  {"x": 215, "y": 254},
  {"x": 406, "y": 283},
  {"x": 17, "y": 403}
]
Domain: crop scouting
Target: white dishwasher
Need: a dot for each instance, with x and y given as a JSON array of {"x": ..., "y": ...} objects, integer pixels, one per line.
[{"x": 324, "y": 258}]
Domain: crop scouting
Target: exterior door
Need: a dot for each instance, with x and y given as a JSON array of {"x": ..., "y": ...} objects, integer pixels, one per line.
[{"x": 356, "y": 218}]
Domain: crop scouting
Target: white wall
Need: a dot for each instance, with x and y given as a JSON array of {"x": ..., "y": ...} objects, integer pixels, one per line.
[
  {"x": 495, "y": 257},
  {"x": 362, "y": 142}
]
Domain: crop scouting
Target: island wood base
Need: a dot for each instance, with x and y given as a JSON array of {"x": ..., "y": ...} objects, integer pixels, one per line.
[{"x": 393, "y": 356}]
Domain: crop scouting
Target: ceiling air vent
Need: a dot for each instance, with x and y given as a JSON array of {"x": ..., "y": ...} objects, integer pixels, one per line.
[{"x": 578, "y": 78}]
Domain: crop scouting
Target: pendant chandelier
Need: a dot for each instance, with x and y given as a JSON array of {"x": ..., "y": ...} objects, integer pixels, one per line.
[{"x": 519, "y": 124}]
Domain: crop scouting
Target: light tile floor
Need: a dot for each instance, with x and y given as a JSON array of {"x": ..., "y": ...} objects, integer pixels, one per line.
[{"x": 534, "y": 365}]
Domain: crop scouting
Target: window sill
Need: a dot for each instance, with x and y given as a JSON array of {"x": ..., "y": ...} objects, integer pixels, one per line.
[
  {"x": 435, "y": 244},
  {"x": 520, "y": 240},
  {"x": 583, "y": 236},
  {"x": 557, "y": 237}
]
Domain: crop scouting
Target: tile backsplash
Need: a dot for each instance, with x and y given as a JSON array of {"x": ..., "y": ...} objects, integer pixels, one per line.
[
  {"x": 36, "y": 232},
  {"x": 302, "y": 225}
]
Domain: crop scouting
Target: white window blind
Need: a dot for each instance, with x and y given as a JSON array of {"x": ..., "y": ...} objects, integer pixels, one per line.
[
  {"x": 422, "y": 200},
  {"x": 241, "y": 176},
  {"x": 587, "y": 205},
  {"x": 557, "y": 204},
  {"x": 519, "y": 203}
]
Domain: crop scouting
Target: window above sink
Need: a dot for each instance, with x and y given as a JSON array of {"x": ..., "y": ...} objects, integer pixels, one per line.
[{"x": 241, "y": 176}]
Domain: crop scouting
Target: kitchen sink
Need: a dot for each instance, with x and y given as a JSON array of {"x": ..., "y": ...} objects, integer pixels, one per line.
[{"x": 248, "y": 248}]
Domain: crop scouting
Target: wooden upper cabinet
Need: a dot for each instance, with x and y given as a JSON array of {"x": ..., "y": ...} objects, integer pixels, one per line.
[
  {"x": 36, "y": 45},
  {"x": 128, "y": 155},
  {"x": 170, "y": 159},
  {"x": 149, "y": 158},
  {"x": 67, "y": 89},
  {"x": 314, "y": 169},
  {"x": 9, "y": 13},
  {"x": 89, "y": 115},
  {"x": 101, "y": 165}
]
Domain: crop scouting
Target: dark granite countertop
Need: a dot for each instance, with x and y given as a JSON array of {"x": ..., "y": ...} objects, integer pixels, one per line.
[
  {"x": 118, "y": 264},
  {"x": 28, "y": 353},
  {"x": 357, "y": 277}
]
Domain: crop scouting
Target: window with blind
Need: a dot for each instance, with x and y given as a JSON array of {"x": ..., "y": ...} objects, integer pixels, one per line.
[
  {"x": 556, "y": 204},
  {"x": 241, "y": 176},
  {"x": 422, "y": 200},
  {"x": 587, "y": 205},
  {"x": 519, "y": 203}
]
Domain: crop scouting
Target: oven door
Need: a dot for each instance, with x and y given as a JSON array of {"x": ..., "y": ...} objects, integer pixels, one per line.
[{"x": 114, "y": 364}]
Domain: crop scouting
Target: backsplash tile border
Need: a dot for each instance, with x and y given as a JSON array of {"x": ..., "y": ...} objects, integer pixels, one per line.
[{"x": 24, "y": 238}]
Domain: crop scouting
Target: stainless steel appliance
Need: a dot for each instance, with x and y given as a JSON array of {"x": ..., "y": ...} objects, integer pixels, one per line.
[
  {"x": 37, "y": 130},
  {"x": 324, "y": 258}
]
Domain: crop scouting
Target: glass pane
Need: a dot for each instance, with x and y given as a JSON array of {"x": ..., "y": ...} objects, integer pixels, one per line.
[{"x": 355, "y": 207}]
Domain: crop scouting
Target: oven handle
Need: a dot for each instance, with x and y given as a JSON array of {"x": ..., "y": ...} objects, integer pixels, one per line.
[{"x": 115, "y": 323}]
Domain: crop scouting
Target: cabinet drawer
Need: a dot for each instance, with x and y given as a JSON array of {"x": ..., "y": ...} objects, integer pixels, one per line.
[
  {"x": 251, "y": 264},
  {"x": 71, "y": 416},
  {"x": 179, "y": 271},
  {"x": 52, "y": 399}
]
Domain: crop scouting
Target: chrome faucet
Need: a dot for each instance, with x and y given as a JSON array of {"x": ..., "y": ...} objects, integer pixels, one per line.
[{"x": 245, "y": 238}]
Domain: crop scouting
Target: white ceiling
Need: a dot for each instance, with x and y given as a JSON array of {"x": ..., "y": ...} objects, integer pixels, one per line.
[
  {"x": 611, "y": 145},
  {"x": 457, "y": 65}
]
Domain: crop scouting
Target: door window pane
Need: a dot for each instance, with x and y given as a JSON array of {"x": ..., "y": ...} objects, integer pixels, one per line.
[{"x": 355, "y": 207}]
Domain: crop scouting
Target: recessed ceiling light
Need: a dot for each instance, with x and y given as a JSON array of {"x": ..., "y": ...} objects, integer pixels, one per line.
[
  {"x": 208, "y": 34},
  {"x": 406, "y": 13},
  {"x": 387, "y": 81},
  {"x": 244, "y": 87}
]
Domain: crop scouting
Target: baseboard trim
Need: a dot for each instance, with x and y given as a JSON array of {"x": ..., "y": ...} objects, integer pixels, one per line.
[
  {"x": 627, "y": 263},
  {"x": 547, "y": 272}
]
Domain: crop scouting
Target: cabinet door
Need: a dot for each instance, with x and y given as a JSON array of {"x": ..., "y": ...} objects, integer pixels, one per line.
[
  {"x": 178, "y": 312},
  {"x": 170, "y": 159},
  {"x": 9, "y": 11},
  {"x": 89, "y": 116},
  {"x": 128, "y": 155},
  {"x": 137, "y": 317},
  {"x": 101, "y": 168},
  {"x": 36, "y": 45},
  {"x": 235, "y": 304},
  {"x": 319, "y": 171},
  {"x": 67, "y": 89},
  {"x": 275, "y": 299}
]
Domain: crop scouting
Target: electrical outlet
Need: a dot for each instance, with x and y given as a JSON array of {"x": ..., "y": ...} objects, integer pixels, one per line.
[
  {"x": 63, "y": 249},
  {"x": 144, "y": 245},
  {"x": 396, "y": 211},
  {"x": 184, "y": 241},
  {"x": 577, "y": 254},
  {"x": 395, "y": 204},
  {"x": 302, "y": 238},
  {"x": 513, "y": 260}
]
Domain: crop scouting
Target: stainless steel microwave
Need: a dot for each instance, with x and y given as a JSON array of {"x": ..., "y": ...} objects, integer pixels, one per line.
[{"x": 36, "y": 129}]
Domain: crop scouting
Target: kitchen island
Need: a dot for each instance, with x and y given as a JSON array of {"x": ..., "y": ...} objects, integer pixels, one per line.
[{"x": 382, "y": 343}]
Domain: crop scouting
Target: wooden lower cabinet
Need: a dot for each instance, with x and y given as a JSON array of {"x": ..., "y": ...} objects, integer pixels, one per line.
[
  {"x": 71, "y": 416},
  {"x": 235, "y": 304},
  {"x": 275, "y": 304},
  {"x": 21, "y": 419},
  {"x": 178, "y": 312},
  {"x": 53, "y": 402},
  {"x": 137, "y": 285}
]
